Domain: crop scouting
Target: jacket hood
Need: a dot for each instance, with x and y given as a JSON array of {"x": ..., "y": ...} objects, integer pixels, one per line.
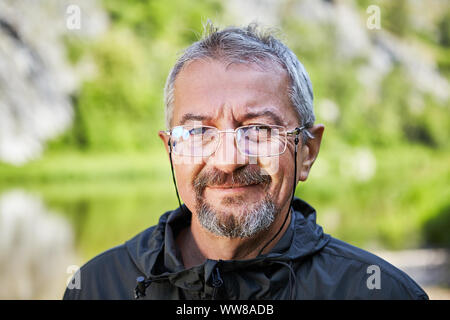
[
  {"x": 304, "y": 264},
  {"x": 155, "y": 253}
]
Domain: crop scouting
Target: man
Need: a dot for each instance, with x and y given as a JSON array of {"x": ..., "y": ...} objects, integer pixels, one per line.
[{"x": 241, "y": 135}]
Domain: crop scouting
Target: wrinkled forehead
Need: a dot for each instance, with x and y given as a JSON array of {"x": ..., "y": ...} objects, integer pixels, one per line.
[{"x": 210, "y": 89}]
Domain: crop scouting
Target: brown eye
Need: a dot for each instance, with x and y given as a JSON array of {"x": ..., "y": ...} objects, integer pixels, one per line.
[
  {"x": 262, "y": 127},
  {"x": 254, "y": 133}
]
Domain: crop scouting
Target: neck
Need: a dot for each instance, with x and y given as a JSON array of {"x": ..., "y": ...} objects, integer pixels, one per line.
[{"x": 197, "y": 244}]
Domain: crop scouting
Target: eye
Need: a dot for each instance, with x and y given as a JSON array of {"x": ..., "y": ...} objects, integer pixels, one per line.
[
  {"x": 257, "y": 129},
  {"x": 261, "y": 127},
  {"x": 197, "y": 131},
  {"x": 254, "y": 132}
]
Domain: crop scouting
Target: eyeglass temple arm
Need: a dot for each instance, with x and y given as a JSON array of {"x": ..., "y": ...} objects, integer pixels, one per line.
[{"x": 297, "y": 131}]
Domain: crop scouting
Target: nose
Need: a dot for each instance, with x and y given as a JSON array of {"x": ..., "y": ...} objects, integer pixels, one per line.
[{"x": 227, "y": 157}]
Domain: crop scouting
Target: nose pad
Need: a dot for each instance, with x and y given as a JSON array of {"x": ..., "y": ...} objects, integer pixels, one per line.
[{"x": 227, "y": 153}]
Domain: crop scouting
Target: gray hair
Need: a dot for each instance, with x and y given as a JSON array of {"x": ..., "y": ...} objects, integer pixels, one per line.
[{"x": 250, "y": 44}]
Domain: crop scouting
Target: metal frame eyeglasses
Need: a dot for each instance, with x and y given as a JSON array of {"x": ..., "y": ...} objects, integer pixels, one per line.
[{"x": 259, "y": 140}]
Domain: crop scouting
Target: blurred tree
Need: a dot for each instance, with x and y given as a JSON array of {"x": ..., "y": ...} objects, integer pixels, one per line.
[
  {"x": 384, "y": 103},
  {"x": 444, "y": 30},
  {"x": 436, "y": 228},
  {"x": 121, "y": 106}
]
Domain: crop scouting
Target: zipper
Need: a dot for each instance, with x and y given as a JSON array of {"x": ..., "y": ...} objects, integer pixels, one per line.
[{"x": 217, "y": 281}]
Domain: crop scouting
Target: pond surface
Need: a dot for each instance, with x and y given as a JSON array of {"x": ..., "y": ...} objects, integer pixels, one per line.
[{"x": 44, "y": 230}]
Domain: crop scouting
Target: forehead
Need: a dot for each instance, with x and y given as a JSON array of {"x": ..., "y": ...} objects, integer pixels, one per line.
[{"x": 219, "y": 90}]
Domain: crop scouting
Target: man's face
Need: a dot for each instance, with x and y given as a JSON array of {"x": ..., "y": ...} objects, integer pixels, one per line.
[{"x": 228, "y": 185}]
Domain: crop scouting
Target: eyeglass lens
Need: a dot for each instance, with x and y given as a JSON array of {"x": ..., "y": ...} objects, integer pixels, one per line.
[{"x": 255, "y": 140}]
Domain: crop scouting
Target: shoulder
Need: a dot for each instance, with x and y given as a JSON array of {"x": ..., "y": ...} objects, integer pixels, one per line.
[
  {"x": 109, "y": 275},
  {"x": 112, "y": 274},
  {"x": 106, "y": 262},
  {"x": 367, "y": 275}
]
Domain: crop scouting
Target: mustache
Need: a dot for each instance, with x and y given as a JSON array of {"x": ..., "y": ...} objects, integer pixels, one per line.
[{"x": 246, "y": 175}]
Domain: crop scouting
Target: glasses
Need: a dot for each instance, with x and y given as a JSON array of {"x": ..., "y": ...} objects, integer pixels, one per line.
[{"x": 254, "y": 140}]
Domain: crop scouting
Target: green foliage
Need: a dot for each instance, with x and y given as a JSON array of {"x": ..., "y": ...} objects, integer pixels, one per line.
[
  {"x": 444, "y": 30},
  {"x": 110, "y": 176},
  {"x": 436, "y": 228},
  {"x": 407, "y": 132},
  {"x": 121, "y": 106},
  {"x": 396, "y": 16}
]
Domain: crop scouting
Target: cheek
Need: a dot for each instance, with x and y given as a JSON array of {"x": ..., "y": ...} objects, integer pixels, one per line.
[
  {"x": 281, "y": 171},
  {"x": 270, "y": 166},
  {"x": 274, "y": 167},
  {"x": 186, "y": 170}
]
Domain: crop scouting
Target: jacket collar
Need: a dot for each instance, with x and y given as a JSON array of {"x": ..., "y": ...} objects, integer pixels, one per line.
[{"x": 155, "y": 253}]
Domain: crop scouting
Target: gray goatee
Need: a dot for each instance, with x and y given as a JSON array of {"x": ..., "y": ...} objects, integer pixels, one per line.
[{"x": 252, "y": 218}]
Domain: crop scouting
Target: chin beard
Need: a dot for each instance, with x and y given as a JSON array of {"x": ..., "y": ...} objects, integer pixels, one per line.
[{"x": 244, "y": 224}]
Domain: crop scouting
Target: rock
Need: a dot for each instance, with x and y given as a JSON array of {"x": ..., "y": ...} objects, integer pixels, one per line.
[{"x": 36, "y": 80}]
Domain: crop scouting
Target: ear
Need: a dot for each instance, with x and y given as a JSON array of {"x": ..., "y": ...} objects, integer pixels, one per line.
[
  {"x": 309, "y": 151},
  {"x": 165, "y": 138}
]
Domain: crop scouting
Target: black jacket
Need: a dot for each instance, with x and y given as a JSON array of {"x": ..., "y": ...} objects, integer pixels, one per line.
[{"x": 305, "y": 264}]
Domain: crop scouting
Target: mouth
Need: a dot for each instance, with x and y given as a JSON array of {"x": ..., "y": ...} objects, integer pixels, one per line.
[
  {"x": 241, "y": 183},
  {"x": 233, "y": 188}
]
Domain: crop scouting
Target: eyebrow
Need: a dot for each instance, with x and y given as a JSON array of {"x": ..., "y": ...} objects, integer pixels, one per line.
[
  {"x": 193, "y": 117},
  {"x": 265, "y": 113},
  {"x": 247, "y": 116}
]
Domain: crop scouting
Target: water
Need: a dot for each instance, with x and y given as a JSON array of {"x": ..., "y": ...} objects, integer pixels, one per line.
[
  {"x": 46, "y": 231},
  {"x": 36, "y": 246}
]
